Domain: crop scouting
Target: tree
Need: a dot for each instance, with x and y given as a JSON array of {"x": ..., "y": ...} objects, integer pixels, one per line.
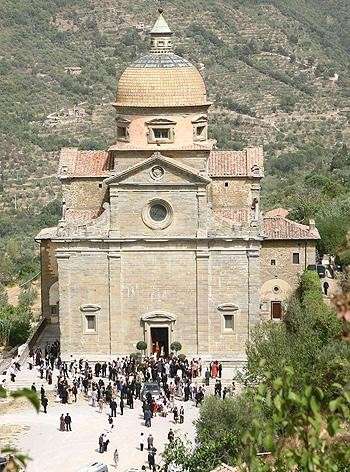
[
  {"x": 3, "y": 296},
  {"x": 309, "y": 341},
  {"x": 176, "y": 346}
]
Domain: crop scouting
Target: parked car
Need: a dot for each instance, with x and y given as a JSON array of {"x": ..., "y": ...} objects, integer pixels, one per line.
[
  {"x": 95, "y": 467},
  {"x": 3, "y": 462},
  {"x": 320, "y": 269},
  {"x": 152, "y": 388}
]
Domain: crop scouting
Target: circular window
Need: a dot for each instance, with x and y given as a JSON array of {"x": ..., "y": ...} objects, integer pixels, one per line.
[
  {"x": 157, "y": 214},
  {"x": 276, "y": 289}
]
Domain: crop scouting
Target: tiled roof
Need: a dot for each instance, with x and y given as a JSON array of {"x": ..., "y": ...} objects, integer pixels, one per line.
[
  {"x": 246, "y": 163},
  {"x": 75, "y": 163},
  {"x": 281, "y": 228},
  {"x": 277, "y": 212}
]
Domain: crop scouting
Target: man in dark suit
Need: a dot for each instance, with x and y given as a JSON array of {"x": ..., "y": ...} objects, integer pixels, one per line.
[{"x": 68, "y": 422}]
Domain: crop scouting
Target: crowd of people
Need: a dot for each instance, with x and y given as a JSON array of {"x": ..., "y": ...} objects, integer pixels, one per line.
[{"x": 115, "y": 385}]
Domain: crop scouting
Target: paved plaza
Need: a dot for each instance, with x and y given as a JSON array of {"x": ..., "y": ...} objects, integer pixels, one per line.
[{"x": 56, "y": 451}]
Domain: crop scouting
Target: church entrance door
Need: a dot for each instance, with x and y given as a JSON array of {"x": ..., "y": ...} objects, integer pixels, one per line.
[{"x": 160, "y": 341}]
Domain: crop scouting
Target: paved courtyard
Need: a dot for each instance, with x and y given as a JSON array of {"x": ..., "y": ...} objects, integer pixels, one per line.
[{"x": 56, "y": 451}]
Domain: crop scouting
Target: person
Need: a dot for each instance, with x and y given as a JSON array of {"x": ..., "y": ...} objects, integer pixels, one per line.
[
  {"x": 217, "y": 389},
  {"x": 150, "y": 442},
  {"x": 44, "y": 402},
  {"x": 75, "y": 392},
  {"x": 105, "y": 443},
  {"x": 224, "y": 393},
  {"x": 110, "y": 421},
  {"x": 207, "y": 377},
  {"x": 100, "y": 405},
  {"x": 101, "y": 446},
  {"x": 325, "y": 287},
  {"x": 68, "y": 422},
  {"x": 220, "y": 370},
  {"x": 147, "y": 417},
  {"x": 171, "y": 436},
  {"x": 176, "y": 414},
  {"x": 152, "y": 459},
  {"x": 62, "y": 423},
  {"x": 113, "y": 407},
  {"x": 182, "y": 414},
  {"x": 12, "y": 371},
  {"x": 33, "y": 387},
  {"x": 142, "y": 444},
  {"x": 121, "y": 405}
]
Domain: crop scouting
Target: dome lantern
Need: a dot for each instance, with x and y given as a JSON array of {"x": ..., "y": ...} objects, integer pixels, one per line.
[
  {"x": 161, "y": 78},
  {"x": 161, "y": 34}
]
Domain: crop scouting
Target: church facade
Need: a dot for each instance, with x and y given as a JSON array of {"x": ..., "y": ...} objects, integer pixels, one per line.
[{"x": 162, "y": 237}]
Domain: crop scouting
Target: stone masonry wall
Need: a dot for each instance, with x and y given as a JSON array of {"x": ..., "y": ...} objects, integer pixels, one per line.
[
  {"x": 282, "y": 252},
  {"x": 83, "y": 194}
]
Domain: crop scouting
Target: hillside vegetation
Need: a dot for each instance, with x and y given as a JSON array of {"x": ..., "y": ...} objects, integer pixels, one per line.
[{"x": 267, "y": 65}]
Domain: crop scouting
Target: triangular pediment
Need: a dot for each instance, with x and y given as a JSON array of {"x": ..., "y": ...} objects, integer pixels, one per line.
[{"x": 159, "y": 170}]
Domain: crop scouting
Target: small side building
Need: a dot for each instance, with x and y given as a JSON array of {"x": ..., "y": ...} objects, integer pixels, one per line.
[{"x": 287, "y": 249}]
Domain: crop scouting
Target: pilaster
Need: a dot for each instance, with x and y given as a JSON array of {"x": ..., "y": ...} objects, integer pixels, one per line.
[{"x": 202, "y": 321}]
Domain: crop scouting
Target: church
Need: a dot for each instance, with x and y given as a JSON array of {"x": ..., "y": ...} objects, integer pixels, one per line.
[{"x": 162, "y": 237}]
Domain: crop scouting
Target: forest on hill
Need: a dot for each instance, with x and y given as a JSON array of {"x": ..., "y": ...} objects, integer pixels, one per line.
[{"x": 276, "y": 70}]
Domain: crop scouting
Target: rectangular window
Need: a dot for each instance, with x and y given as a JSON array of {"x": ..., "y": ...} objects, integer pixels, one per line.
[
  {"x": 161, "y": 133},
  {"x": 296, "y": 258},
  {"x": 228, "y": 322},
  {"x": 276, "y": 310},
  {"x": 273, "y": 261},
  {"x": 53, "y": 309},
  {"x": 90, "y": 323},
  {"x": 122, "y": 133}
]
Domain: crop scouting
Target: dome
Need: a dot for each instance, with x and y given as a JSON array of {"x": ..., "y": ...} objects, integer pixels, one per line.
[
  {"x": 161, "y": 78},
  {"x": 164, "y": 80}
]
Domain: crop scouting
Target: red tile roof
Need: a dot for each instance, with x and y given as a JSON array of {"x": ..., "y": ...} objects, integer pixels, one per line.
[
  {"x": 246, "y": 163},
  {"x": 277, "y": 212},
  {"x": 281, "y": 228},
  {"x": 75, "y": 163}
]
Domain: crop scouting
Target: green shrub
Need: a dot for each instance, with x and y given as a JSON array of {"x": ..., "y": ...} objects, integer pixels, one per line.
[
  {"x": 176, "y": 346},
  {"x": 141, "y": 346}
]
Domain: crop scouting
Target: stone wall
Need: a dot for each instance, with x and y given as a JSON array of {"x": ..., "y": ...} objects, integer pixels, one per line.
[
  {"x": 229, "y": 192},
  {"x": 282, "y": 252},
  {"x": 279, "y": 281},
  {"x": 182, "y": 282},
  {"x": 85, "y": 194}
]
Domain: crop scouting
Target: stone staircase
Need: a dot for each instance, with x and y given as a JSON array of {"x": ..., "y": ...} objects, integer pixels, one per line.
[{"x": 26, "y": 377}]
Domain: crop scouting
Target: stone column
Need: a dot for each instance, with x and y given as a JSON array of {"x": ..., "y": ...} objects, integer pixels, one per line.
[
  {"x": 202, "y": 324},
  {"x": 116, "y": 328}
]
